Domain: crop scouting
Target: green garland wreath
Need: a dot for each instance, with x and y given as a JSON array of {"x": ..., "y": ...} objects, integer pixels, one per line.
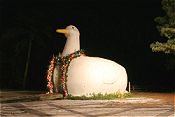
[{"x": 64, "y": 63}]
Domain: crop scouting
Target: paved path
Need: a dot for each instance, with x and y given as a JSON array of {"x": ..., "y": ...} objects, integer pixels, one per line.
[{"x": 136, "y": 106}]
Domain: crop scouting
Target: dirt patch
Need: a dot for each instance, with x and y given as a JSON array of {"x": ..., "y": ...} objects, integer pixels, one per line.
[
  {"x": 10, "y": 94},
  {"x": 138, "y": 97},
  {"x": 168, "y": 98}
]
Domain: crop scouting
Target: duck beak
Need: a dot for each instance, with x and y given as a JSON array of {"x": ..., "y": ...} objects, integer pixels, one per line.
[{"x": 61, "y": 31}]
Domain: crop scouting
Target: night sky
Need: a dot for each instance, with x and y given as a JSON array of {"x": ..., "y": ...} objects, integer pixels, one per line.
[{"x": 118, "y": 30}]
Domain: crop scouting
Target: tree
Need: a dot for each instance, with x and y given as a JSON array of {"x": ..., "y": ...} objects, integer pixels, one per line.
[
  {"x": 166, "y": 27},
  {"x": 17, "y": 42}
]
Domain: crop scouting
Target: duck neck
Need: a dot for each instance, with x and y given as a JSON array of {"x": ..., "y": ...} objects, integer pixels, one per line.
[{"x": 72, "y": 45}]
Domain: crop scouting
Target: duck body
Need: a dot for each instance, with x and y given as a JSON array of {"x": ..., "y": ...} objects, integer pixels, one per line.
[{"x": 88, "y": 75}]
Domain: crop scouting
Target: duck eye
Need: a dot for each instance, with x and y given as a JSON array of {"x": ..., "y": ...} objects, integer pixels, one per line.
[{"x": 73, "y": 27}]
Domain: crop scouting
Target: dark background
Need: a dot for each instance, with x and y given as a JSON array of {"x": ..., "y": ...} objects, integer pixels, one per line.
[{"x": 118, "y": 30}]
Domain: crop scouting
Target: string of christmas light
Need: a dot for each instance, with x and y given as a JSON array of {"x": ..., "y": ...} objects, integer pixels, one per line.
[
  {"x": 50, "y": 75},
  {"x": 64, "y": 63}
]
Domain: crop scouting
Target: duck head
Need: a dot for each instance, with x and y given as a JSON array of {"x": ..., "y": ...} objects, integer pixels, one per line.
[{"x": 69, "y": 32}]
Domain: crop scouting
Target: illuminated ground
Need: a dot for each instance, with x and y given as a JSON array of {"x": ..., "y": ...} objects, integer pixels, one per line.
[{"x": 141, "y": 104}]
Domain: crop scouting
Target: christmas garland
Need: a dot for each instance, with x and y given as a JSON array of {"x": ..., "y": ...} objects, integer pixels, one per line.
[
  {"x": 50, "y": 75},
  {"x": 63, "y": 63}
]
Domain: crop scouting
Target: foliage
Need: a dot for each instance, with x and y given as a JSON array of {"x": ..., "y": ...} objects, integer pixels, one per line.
[
  {"x": 23, "y": 41},
  {"x": 166, "y": 27},
  {"x": 101, "y": 96},
  {"x": 168, "y": 47}
]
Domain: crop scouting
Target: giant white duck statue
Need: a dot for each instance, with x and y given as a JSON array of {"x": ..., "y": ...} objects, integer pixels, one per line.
[{"x": 79, "y": 75}]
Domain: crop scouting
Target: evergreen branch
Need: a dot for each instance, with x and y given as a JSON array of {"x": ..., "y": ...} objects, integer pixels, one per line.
[
  {"x": 168, "y": 47},
  {"x": 168, "y": 29}
]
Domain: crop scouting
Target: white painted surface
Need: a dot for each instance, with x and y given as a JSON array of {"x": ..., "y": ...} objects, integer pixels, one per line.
[{"x": 87, "y": 75}]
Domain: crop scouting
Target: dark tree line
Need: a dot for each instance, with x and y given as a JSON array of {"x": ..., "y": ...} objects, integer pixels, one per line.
[{"x": 26, "y": 45}]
